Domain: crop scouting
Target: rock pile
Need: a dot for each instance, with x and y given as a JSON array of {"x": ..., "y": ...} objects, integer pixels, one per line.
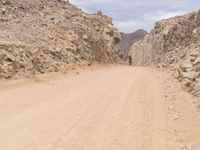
[
  {"x": 38, "y": 36},
  {"x": 174, "y": 43},
  {"x": 189, "y": 71}
]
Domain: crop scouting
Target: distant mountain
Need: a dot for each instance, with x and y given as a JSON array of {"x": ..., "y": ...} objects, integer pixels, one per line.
[{"x": 128, "y": 39}]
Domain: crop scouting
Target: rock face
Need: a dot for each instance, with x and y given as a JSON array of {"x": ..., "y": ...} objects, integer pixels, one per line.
[
  {"x": 174, "y": 43},
  {"x": 38, "y": 36},
  {"x": 128, "y": 39}
]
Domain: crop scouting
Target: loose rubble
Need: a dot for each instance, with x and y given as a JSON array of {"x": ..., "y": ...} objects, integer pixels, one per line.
[
  {"x": 39, "y": 36},
  {"x": 174, "y": 43}
]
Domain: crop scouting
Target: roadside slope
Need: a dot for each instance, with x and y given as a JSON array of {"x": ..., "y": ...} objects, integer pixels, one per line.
[
  {"x": 174, "y": 43},
  {"x": 42, "y": 36}
]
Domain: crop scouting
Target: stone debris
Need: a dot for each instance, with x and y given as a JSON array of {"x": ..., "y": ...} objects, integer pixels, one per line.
[
  {"x": 187, "y": 147},
  {"x": 170, "y": 108},
  {"x": 39, "y": 36},
  {"x": 174, "y": 43},
  {"x": 176, "y": 116}
]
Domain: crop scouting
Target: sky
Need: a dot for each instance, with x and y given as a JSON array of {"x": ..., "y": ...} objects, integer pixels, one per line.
[{"x": 130, "y": 15}]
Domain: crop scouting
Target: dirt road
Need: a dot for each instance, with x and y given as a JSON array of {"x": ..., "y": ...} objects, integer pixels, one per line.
[{"x": 115, "y": 108}]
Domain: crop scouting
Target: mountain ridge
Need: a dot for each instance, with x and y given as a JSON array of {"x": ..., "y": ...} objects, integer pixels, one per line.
[{"x": 128, "y": 39}]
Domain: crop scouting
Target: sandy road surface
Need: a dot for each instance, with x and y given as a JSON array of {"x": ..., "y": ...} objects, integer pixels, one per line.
[{"x": 115, "y": 108}]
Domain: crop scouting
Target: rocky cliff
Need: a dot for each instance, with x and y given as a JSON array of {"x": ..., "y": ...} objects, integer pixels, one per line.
[
  {"x": 174, "y": 43},
  {"x": 38, "y": 36},
  {"x": 128, "y": 39}
]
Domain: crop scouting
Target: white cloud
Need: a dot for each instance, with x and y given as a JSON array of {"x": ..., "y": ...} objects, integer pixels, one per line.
[
  {"x": 129, "y": 15},
  {"x": 146, "y": 21},
  {"x": 129, "y": 25},
  {"x": 160, "y": 14},
  {"x": 91, "y": 2}
]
